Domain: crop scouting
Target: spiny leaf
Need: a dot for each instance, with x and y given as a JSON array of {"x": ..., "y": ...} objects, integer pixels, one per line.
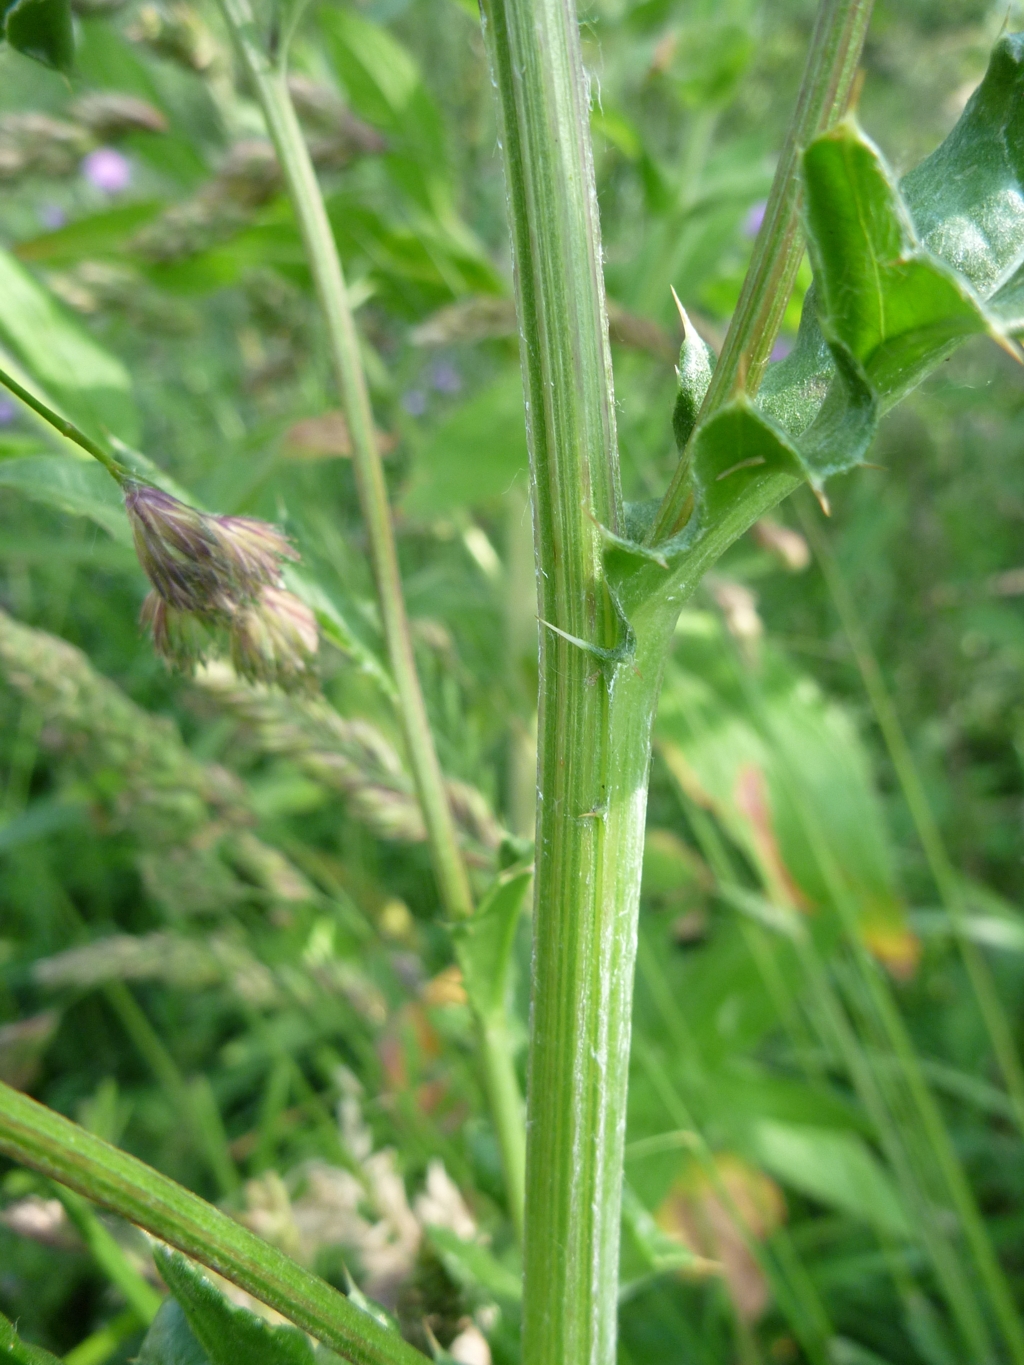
[
  {"x": 81, "y": 488},
  {"x": 696, "y": 364},
  {"x": 170, "y": 1340},
  {"x": 19, "y": 1352},
  {"x": 227, "y": 1334},
  {"x": 892, "y": 298},
  {"x": 957, "y": 219},
  {"x": 966, "y": 199},
  {"x": 739, "y": 459},
  {"x": 881, "y": 295}
]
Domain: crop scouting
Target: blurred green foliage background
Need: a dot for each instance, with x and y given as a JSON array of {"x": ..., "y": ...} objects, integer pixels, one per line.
[{"x": 219, "y": 938}]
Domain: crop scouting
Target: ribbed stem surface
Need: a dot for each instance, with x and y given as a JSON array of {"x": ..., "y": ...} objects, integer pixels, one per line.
[{"x": 595, "y": 710}]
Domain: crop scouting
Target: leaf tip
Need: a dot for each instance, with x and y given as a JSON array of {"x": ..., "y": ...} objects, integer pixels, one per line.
[{"x": 684, "y": 317}]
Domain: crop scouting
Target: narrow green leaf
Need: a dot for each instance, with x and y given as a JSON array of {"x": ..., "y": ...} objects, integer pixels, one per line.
[
  {"x": 88, "y": 383},
  {"x": 228, "y": 1334},
  {"x": 287, "y": 17},
  {"x": 20, "y": 1352},
  {"x": 835, "y": 1168},
  {"x": 43, "y": 30},
  {"x": 660, "y": 1251},
  {"x": 475, "y": 1267},
  {"x": 843, "y": 1351},
  {"x": 94, "y": 237},
  {"x": 79, "y": 487},
  {"x": 376, "y": 1310},
  {"x": 386, "y": 88},
  {"x": 140, "y": 1296},
  {"x": 484, "y": 943},
  {"x": 379, "y": 74}
]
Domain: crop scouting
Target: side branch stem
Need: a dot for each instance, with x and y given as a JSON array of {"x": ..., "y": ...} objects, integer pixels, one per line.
[
  {"x": 825, "y": 92},
  {"x": 66, "y": 428},
  {"x": 46, "y": 1142}
]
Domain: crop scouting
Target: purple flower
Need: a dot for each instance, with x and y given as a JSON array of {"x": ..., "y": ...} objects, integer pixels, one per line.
[
  {"x": 52, "y": 216},
  {"x": 216, "y": 584},
  {"x": 201, "y": 563},
  {"x": 108, "y": 170},
  {"x": 415, "y": 402},
  {"x": 781, "y": 349},
  {"x": 8, "y": 412},
  {"x": 754, "y": 219},
  {"x": 445, "y": 378}
]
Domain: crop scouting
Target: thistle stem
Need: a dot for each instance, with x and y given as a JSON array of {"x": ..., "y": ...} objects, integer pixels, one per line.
[
  {"x": 66, "y": 428},
  {"x": 46, "y": 1142},
  {"x": 269, "y": 80},
  {"x": 595, "y": 706},
  {"x": 825, "y": 91}
]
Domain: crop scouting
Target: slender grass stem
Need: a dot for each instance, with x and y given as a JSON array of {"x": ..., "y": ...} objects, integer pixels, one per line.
[
  {"x": 139, "y": 1294},
  {"x": 939, "y": 864},
  {"x": 271, "y": 89},
  {"x": 791, "y": 1286},
  {"x": 884, "y": 1103},
  {"x": 46, "y": 1142},
  {"x": 936, "y": 1140},
  {"x": 101, "y": 1344},
  {"x": 828, "y": 82},
  {"x": 66, "y": 428},
  {"x": 270, "y": 84}
]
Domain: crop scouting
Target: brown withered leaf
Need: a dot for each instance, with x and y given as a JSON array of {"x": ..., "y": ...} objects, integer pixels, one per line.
[
  {"x": 327, "y": 437},
  {"x": 718, "y": 1214}
]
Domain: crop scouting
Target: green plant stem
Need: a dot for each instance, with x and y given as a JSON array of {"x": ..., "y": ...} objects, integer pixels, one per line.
[
  {"x": 825, "y": 90},
  {"x": 505, "y": 1100},
  {"x": 46, "y": 1142},
  {"x": 270, "y": 84},
  {"x": 942, "y": 871},
  {"x": 66, "y": 428},
  {"x": 596, "y": 706},
  {"x": 205, "y": 1125}
]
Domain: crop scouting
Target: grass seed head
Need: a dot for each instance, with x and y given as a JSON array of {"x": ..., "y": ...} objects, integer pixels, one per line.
[
  {"x": 212, "y": 575},
  {"x": 274, "y": 640}
]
